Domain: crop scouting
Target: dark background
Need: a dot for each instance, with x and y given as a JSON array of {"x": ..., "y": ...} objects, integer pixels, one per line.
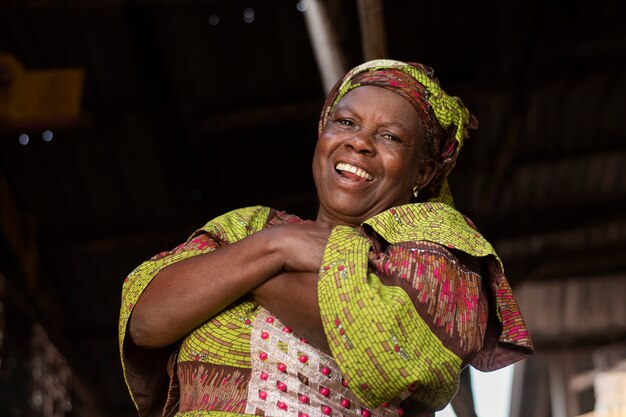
[{"x": 182, "y": 120}]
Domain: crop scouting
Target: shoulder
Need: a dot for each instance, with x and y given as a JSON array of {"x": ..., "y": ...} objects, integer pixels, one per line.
[
  {"x": 433, "y": 222},
  {"x": 258, "y": 216},
  {"x": 239, "y": 223},
  {"x": 427, "y": 251},
  {"x": 281, "y": 217},
  {"x": 229, "y": 227},
  {"x": 411, "y": 264},
  {"x": 246, "y": 216}
]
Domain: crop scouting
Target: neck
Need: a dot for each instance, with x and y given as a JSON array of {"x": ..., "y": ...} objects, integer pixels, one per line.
[{"x": 332, "y": 221}]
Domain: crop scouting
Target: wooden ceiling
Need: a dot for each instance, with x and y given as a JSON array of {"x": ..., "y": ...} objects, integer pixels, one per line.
[{"x": 182, "y": 120}]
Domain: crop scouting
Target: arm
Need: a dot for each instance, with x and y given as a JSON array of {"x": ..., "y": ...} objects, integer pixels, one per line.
[
  {"x": 185, "y": 294},
  {"x": 402, "y": 324}
]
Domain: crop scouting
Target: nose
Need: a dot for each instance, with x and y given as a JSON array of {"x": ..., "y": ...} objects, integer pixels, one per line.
[{"x": 362, "y": 141}]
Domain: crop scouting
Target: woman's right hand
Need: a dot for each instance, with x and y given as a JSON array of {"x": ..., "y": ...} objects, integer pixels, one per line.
[{"x": 301, "y": 245}]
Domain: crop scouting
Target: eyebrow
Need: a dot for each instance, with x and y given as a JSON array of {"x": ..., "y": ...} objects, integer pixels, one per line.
[{"x": 393, "y": 123}]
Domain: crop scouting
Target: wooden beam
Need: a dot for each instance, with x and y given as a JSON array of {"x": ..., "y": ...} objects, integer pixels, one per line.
[
  {"x": 606, "y": 260},
  {"x": 551, "y": 220},
  {"x": 604, "y": 147},
  {"x": 595, "y": 234},
  {"x": 513, "y": 118},
  {"x": 583, "y": 310},
  {"x": 320, "y": 25},
  {"x": 254, "y": 118},
  {"x": 372, "y": 23}
]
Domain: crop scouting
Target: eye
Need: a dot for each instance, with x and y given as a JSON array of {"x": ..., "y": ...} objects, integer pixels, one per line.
[
  {"x": 345, "y": 122},
  {"x": 391, "y": 137}
]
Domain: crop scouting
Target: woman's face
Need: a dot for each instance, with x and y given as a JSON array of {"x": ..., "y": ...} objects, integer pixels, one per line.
[{"x": 369, "y": 156}]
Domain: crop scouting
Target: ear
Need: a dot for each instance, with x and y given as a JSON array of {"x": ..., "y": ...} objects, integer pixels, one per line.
[{"x": 427, "y": 170}]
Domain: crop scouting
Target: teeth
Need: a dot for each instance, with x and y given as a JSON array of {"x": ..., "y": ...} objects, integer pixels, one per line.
[{"x": 342, "y": 166}]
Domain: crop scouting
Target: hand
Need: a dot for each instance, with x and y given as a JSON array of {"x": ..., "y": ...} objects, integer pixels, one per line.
[{"x": 301, "y": 245}]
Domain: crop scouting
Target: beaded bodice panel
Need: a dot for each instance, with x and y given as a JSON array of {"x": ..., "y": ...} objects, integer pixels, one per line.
[
  {"x": 292, "y": 378},
  {"x": 288, "y": 377}
]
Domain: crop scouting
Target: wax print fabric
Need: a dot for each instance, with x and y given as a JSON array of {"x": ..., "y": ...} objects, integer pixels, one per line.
[{"x": 407, "y": 300}]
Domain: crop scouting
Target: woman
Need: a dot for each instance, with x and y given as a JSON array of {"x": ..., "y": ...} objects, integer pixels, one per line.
[{"x": 372, "y": 309}]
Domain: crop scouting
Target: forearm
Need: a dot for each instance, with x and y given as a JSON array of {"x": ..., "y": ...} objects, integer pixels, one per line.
[
  {"x": 186, "y": 294},
  {"x": 292, "y": 297}
]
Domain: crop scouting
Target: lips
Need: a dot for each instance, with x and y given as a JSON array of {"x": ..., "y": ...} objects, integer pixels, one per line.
[{"x": 353, "y": 172}]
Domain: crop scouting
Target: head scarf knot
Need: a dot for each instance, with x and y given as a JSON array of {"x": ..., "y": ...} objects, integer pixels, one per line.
[{"x": 445, "y": 119}]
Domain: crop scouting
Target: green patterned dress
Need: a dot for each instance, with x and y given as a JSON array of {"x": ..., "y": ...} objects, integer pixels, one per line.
[{"x": 407, "y": 300}]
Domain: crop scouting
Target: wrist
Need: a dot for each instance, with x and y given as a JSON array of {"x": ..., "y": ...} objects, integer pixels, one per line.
[{"x": 276, "y": 250}]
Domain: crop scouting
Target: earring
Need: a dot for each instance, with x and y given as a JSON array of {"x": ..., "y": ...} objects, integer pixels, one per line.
[{"x": 415, "y": 191}]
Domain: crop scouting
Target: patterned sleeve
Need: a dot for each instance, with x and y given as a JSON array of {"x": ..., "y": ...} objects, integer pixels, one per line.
[
  {"x": 137, "y": 281},
  {"x": 145, "y": 369},
  {"x": 401, "y": 323}
]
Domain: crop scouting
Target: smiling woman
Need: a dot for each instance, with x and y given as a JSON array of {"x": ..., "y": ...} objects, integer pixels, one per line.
[
  {"x": 372, "y": 309},
  {"x": 369, "y": 157}
]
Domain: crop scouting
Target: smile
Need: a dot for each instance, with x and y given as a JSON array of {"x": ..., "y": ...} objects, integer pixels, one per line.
[{"x": 344, "y": 169}]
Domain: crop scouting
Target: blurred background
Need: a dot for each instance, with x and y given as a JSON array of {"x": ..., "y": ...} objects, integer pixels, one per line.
[{"x": 127, "y": 124}]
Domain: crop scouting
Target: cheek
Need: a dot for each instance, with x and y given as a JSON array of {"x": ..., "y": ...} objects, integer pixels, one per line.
[
  {"x": 325, "y": 140},
  {"x": 325, "y": 145},
  {"x": 320, "y": 157},
  {"x": 401, "y": 169}
]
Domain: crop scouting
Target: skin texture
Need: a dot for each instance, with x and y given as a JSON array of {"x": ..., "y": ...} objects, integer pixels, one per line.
[{"x": 371, "y": 128}]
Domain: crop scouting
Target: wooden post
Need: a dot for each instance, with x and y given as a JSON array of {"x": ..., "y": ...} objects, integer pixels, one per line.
[
  {"x": 329, "y": 59},
  {"x": 463, "y": 401},
  {"x": 372, "y": 23},
  {"x": 560, "y": 370},
  {"x": 530, "y": 394}
]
